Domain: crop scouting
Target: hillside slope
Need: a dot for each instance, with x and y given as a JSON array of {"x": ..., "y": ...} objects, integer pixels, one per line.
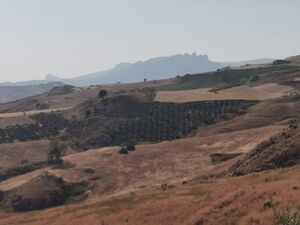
[
  {"x": 279, "y": 151},
  {"x": 11, "y": 93}
]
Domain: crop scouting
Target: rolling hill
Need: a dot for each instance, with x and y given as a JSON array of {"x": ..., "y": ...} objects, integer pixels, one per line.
[{"x": 11, "y": 93}]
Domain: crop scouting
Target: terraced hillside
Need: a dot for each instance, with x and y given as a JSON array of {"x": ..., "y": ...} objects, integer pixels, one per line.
[{"x": 39, "y": 129}]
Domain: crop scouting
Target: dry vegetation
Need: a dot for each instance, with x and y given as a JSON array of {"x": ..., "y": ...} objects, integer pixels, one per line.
[
  {"x": 147, "y": 167},
  {"x": 14, "y": 154},
  {"x": 230, "y": 201}
]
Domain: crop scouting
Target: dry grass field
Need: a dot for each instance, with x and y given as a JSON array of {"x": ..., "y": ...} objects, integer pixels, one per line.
[
  {"x": 13, "y": 154},
  {"x": 141, "y": 171},
  {"x": 153, "y": 164},
  {"x": 262, "y": 92},
  {"x": 18, "y": 115},
  {"x": 162, "y": 161},
  {"x": 12, "y": 121},
  {"x": 228, "y": 201}
]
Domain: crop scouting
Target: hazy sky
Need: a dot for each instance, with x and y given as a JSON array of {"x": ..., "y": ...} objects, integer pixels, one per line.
[{"x": 75, "y": 37}]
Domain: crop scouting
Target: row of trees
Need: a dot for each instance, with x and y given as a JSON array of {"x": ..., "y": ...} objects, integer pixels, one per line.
[{"x": 27, "y": 132}]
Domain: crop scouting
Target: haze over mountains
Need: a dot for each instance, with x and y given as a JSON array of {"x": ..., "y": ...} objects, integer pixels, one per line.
[{"x": 152, "y": 69}]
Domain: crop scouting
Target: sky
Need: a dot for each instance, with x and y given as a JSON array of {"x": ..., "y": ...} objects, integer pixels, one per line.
[{"x": 68, "y": 38}]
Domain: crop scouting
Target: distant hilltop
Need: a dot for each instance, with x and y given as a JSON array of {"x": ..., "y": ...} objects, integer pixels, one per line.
[{"x": 154, "y": 69}]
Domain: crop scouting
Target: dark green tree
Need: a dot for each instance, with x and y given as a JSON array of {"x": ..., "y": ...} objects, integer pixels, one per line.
[
  {"x": 56, "y": 151},
  {"x": 102, "y": 93}
]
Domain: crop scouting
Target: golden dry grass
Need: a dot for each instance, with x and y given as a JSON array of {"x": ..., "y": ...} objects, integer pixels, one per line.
[
  {"x": 153, "y": 164},
  {"x": 149, "y": 165},
  {"x": 263, "y": 92},
  {"x": 128, "y": 189}
]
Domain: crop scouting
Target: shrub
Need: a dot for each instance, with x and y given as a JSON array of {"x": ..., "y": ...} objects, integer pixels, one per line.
[
  {"x": 130, "y": 146},
  {"x": 222, "y": 157},
  {"x": 102, "y": 94},
  {"x": 88, "y": 170},
  {"x": 95, "y": 178},
  {"x": 280, "y": 62},
  {"x": 150, "y": 93},
  {"x": 56, "y": 151},
  {"x": 88, "y": 113},
  {"x": 123, "y": 151}
]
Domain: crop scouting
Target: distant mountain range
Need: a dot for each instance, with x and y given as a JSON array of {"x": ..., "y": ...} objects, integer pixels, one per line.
[{"x": 152, "y": 69}]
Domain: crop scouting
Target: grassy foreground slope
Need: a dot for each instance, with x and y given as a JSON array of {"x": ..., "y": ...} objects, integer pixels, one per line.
[{"x": 231, "y": 201}]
